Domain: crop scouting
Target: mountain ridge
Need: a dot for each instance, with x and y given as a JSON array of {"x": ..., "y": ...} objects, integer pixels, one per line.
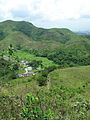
[{"x": 28, "y": 36}]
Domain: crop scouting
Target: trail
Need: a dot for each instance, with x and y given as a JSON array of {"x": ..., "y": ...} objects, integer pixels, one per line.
[{"x": 48, "y": 83}]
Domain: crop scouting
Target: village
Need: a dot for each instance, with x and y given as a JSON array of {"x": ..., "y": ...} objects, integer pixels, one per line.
[{"x": 27, "y": 66}]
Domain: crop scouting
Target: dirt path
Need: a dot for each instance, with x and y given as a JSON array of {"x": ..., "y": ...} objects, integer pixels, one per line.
[{"x": 48, "y": 83}]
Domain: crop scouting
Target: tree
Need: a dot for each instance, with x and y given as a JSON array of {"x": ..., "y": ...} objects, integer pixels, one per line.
[
  {"x": 35, "y": 63},
  {"x": 10, "y": 50}
]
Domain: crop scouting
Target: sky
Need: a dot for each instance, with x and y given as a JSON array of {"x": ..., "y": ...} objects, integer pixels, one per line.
[{"x": 71, "y": 14}]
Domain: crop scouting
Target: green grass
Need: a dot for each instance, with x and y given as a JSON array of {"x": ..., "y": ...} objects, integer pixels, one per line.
[
  {"x": 65, "y": 87},
  {"x": 63, "y": 91},
  {"x": 75, "y": 77},
  {"x": 29, "y": 57},
  {"x": 31, "y": 37}
]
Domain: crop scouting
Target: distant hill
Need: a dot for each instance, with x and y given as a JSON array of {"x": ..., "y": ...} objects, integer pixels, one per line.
[
  {"x": 25, "y": 35},
  {"x": 85, "y": 32}
]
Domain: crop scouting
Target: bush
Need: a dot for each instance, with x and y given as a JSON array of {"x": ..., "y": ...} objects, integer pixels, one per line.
[
  {"x": 12, "y": 75},
  {"x": 42, "y": 81},
  {"x": 2, "y": 35},
  {"x": 32, "y": 110}
]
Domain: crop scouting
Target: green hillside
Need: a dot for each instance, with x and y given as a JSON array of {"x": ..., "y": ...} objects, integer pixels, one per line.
[
  {"x": 66, "y": 93},
  {"x": 24, "y": 35},
  {"x": 9, "y": 31},
  {"x": 75, "y": 77},
  {"x": 30, "y": 57},
  {"x": 59, "y": 81}
]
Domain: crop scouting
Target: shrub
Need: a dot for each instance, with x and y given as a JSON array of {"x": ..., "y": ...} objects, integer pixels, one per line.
[
  {"x": 42, "y": 81},
  {"x": 32, "y": 110}
]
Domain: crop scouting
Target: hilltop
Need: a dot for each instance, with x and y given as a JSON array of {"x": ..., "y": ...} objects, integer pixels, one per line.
[
  {"x": 21, "y": 33},
  {"x": 24, "y": 36}
]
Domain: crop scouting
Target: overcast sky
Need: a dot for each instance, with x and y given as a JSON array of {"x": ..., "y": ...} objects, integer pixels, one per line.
[{"x": 72, "y": 14}]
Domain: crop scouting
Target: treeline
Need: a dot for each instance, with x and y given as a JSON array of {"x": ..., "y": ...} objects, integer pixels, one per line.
[{"x": 62, "y": 57}]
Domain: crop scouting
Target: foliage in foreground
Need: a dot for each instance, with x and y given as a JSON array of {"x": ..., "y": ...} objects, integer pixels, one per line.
[
  {"x": 32, "y": 109},
  {"x": 66, "y": 104}
]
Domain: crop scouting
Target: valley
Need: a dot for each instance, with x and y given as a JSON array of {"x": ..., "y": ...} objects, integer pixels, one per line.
[{"x": 44, "y": 73}]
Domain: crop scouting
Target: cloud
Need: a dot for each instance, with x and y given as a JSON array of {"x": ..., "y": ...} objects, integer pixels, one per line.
[
  {"x": 12, "y": 8},
  {"x": 85, "y": 16},
  {"x": 39, "y": 11},
  {"x": 63, "y": 9}
]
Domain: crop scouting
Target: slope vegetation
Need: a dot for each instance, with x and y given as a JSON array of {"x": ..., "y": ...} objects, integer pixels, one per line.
[
  {"x": 66, "y": 94},
  {"x": 55, "y": 43},
  {"x": 23, "y": 33},
  {"x": 75, "y": 77}
]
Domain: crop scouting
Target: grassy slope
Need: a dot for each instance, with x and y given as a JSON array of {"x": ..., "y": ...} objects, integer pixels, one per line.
[
  {"x": 75, "y": 92},
  {"x": 15, "y": 36},
  {"x": 31, "y": 37},
  {"x": 80, "y": 48},
  {"x": 29, "y": 57},
  {"x": 75, "y": 77}
]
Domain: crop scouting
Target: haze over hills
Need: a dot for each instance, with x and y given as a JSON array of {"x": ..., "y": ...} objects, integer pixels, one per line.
[{"x": 84, "y": 32}]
